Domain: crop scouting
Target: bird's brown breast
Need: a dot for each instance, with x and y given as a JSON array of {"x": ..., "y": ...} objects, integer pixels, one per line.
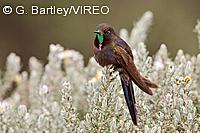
[{"x": 105, "y": 56}]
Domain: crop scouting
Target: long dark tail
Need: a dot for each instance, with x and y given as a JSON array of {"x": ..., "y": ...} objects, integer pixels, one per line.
[{"x": 130, "y": 99}]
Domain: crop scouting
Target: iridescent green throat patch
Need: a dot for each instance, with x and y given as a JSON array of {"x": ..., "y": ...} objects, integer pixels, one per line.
[{"x": 100, "y": 37}]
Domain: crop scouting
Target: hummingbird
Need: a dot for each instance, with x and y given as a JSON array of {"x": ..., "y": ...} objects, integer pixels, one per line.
[{"x": 110, "y": 49}]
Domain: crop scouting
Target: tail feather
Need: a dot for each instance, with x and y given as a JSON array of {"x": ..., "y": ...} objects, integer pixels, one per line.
[
  {"x": 149, "y": 83},
  {"x": 130, "y": 99}
]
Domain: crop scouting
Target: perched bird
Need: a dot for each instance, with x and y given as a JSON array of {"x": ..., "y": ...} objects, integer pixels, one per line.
[{"x": 110, "y": 49}]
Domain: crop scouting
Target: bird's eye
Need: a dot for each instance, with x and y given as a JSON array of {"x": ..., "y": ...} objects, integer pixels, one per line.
[{"x": 108, "y": 32}]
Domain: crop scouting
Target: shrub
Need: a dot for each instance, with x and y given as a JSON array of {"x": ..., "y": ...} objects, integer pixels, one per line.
[{"x": 66, "y": 96}]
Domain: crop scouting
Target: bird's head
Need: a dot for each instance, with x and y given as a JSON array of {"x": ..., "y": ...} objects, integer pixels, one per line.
[{"x": 104, "y": 35}]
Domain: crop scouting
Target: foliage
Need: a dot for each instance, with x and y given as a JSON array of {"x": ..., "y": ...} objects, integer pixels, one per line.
[{"x": 66, "y": 96}]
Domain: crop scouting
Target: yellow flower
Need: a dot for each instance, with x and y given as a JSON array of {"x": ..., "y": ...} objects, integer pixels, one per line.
[
  {"x": 187, "y": 79},
  {"x": 183, "y": 80}
]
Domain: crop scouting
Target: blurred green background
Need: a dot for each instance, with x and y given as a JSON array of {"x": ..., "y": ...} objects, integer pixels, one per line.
[{"x": 27, "y": 35}]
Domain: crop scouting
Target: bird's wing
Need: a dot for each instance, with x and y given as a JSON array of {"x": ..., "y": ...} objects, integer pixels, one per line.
[
  {"x": 126, "y": 62},
  {"x": 120, "y": 42}
]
